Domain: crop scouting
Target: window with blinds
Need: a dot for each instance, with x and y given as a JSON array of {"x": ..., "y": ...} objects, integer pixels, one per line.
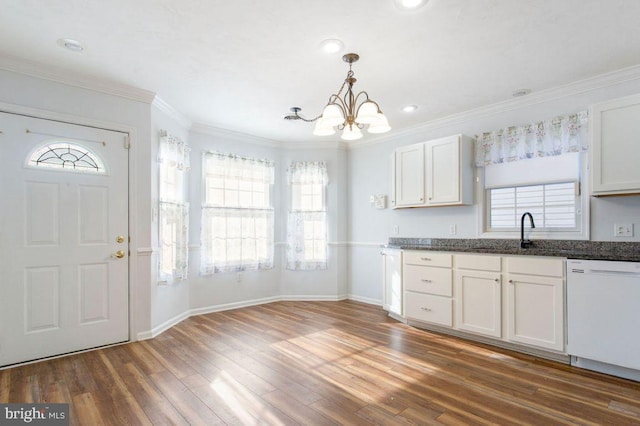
[{"x": 553, "y": 206}]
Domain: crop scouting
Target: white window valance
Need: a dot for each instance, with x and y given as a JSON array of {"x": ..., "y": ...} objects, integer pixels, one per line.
[
  {"x": 308, "y": 172},
  {"x": 552, "y": 137},
  {"x": 174, "y": 152},
  {"x": 230, "y": 166}
]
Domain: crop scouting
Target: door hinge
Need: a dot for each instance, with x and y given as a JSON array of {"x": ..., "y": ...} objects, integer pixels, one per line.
[{"x": 127, "y": 142}]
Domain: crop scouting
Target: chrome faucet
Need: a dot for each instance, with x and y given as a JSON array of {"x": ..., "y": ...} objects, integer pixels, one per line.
[{"x": 525, "y": 243}]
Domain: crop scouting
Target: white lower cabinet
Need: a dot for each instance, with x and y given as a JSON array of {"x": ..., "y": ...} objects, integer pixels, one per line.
[
  {"x": 392, "y": 281},
  {"x": 428, "y": 284},
  {"x": 430, "y": 308},
  {"x": 535, "y": 314},
  {"x": 479, "y": 302},
  {"x": 516, "y": 299}
]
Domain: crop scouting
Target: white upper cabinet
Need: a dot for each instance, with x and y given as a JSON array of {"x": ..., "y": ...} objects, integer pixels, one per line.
[
  {"x": 615, "y": 137},
  {"x": 409, "y": 176},
  {"x": 434, "y": 173}
]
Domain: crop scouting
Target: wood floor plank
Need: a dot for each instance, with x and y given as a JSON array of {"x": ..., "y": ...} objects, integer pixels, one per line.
[
  {"x": 307, "y": 363},
  {"x": 187, "y": 404},
  {"x": 5, "y": 383}
]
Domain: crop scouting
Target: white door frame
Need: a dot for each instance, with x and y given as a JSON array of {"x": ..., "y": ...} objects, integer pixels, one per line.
[{"x": 133, "y": 198}]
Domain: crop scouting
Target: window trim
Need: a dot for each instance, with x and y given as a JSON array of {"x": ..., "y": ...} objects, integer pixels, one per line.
[{"x": 583, "y": 204}]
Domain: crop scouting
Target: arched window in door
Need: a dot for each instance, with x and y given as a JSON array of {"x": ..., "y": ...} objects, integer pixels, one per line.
[{"x": 66, "y": 156}]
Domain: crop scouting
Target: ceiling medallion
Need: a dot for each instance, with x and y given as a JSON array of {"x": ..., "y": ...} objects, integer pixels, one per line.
[{"x": 348, "y": 113}]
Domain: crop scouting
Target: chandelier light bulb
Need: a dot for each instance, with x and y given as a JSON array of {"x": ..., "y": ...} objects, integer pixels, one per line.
[
  {"x": 367, "y": 113},
  {"x": 332, "y": 115},
  {"x": 351, "y": 133},
  {"x": 381, "y": 126}
]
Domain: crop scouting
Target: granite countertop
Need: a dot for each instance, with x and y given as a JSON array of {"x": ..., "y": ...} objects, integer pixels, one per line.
[{"x": 570, "y": 249}]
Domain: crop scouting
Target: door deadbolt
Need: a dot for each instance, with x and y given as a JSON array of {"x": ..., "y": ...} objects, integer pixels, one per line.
[{"x": 120, "y": 239}]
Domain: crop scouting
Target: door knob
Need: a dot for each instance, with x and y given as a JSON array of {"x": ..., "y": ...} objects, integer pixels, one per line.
[{"x": 119, "y": 254}]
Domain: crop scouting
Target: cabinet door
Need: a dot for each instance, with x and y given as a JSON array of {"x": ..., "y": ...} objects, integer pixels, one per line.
[
  {"x": 443, "y": 170},
  {"x": 409, "y": 175},
  {"x": 479, "y": 302},
  {"x": 536, "y": 311},
  {"x": 392, "y": 281},
  {"x": 615, "y": 134}
]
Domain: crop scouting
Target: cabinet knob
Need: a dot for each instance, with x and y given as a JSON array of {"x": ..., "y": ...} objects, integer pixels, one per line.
[
  {"x": 421, "y": 199},
  {"x": 497, "y": 280},
  {"x": 429, "y": 198},
  {"x": 510, "y": 281},
  {"x": 426, "y": 309}
]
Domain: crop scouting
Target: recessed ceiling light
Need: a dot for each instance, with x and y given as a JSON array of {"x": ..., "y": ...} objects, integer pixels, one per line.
[
  {"x": 409, "y": 108},
  {"x": 332, "y": 45},
  {"x": 70, "y": 44},
  {"x": 521, "y": 92},
  {"x": 410, "y": 4}
]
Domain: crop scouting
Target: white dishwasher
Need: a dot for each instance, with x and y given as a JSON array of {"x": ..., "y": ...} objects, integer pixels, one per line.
[{"x": 603, "y": 316}]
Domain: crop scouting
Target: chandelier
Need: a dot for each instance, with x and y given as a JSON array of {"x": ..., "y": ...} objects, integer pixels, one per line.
[{"x": 347, "y": 112}]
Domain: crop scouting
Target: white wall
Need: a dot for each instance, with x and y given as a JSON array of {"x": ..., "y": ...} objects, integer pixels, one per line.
[
  {"x": 60, "y": 101},
  {"x": 370, "y": 172}
]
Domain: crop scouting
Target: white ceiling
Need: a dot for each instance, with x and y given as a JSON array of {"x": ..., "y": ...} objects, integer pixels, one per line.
[{"x": 241, "y": 64}]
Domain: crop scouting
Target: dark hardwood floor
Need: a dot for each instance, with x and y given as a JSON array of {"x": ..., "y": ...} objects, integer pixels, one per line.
[{"x": 317, "y": 363}]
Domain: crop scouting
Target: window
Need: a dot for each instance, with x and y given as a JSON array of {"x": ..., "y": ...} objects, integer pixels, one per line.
[
  {"x": 548, "y": 188},
  {"x": 66, "y": 156},
  {"x": 173, "y": 216},
  {"x": 237, "y": 214},
  {"x": 307, "y": 220},
  {"x": 552, "y": 205}
]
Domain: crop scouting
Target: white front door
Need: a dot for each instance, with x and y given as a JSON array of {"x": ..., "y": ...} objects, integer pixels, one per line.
[{"x": 64, "y": 245}]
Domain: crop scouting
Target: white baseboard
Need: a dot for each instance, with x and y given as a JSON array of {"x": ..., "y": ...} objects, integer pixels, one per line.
[
  {"x": 234, "y": 305},
  {"x": 155, "y": 331},
  {"x": 144, "y": 335},
  {"x": 365, "y": 300},
  {"x": 313, "y": 298}
]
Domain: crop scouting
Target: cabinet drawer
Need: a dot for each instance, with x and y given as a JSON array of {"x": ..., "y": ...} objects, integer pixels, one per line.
[
  {"x": 427, "y": 258},
  {"x": 430, "y": 280},
  {"x": 478, "y": 262},
  {"x": 535, "y": 266},
  {"x": 424, "y": 307}
]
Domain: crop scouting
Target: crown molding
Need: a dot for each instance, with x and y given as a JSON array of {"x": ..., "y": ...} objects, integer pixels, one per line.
[
  {"x": 332, "y": 145},
  {"x": 231, "y": 135},
  {"x": 163, "y": 106},
  {"x": 575, "y": 88},
  {"x": 71, "y": 78}
]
